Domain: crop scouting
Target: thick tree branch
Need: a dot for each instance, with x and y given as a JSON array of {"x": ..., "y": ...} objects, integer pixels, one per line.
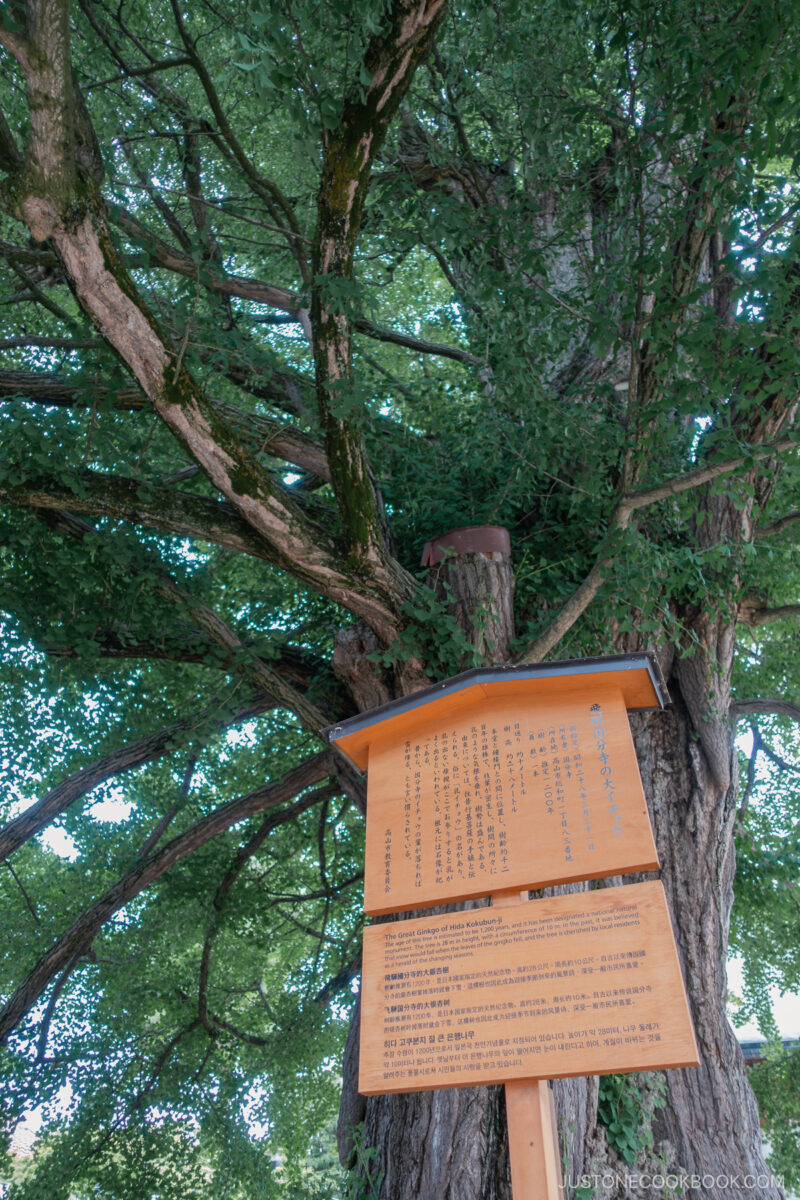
[
  {"x": 264, "y": 434},
  {"x": 339, "y": 982},
  {"x": 28, "y": 255},
  {"x": 768, "y": 705},
  {"x": 216, "y": 280},
  {"x": 754, "y": 614},
  {"x": 439, "y": 349},
  {"x": 183, "y": 643},
  {"x": 211, "y": 276},
  {"x": 23, "y": 340},
  {"x": 583, "y": 595},
  {"x": 777, "y": 526},
  {"x": 240, "y": 656},
  {"x": 165, "y": 820},
  {"x": 300, "y": 546},
  {"x": 99, "y": 495},
  {"x": 145, "y": 872},
  {"x": 152, "y": 746},
  {"x": 246, "y": 661},
  {"x": 49, "y": 1012},
  {"x": 707, "y": 473},
  {"x": 705, "y": 207},
  {"x": 32, "y": 291},
  {"x": 99, "y": 280},
  {"x": 349, "y": 151}
]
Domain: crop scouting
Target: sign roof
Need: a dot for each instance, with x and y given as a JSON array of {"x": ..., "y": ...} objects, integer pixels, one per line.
[{"x": 636, "y": 675}]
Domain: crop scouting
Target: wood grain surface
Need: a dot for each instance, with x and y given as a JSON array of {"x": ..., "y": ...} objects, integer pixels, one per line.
[
  {"x": 511, "y": 790},
  {"x": 583, "y": 984}
]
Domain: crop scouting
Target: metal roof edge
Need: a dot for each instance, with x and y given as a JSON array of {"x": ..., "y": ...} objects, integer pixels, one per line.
[{"x": 479, "y": 675}]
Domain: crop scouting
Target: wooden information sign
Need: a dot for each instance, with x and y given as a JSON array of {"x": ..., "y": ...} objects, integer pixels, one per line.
[
  {"x": 586, "y": 984},
  {"x": 492, "y": 783},
  {"x": 504, "y": 778},
  {"x": 505, "y": 795}
]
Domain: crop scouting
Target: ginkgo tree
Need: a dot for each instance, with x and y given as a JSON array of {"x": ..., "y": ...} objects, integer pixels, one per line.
[{"x": 290, "y": 289}]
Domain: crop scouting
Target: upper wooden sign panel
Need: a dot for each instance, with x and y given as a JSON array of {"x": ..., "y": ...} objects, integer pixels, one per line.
[
  {"x": 505, "y": 794},
  {"x": 504, "y": 777}
]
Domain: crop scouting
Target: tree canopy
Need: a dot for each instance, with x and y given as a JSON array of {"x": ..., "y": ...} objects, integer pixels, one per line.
[{"x": 289, "y": 288}]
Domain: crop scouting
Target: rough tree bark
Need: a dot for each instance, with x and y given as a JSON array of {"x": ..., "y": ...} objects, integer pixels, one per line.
[{"x": 710, "y": 1118}]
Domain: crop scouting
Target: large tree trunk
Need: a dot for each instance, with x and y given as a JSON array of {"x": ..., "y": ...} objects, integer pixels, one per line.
[
  {"x": 453, "y": 1144},
  {"x": 711, "y": 1118}
]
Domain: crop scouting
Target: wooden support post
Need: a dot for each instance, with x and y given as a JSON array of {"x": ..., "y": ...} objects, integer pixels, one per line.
[
  {"x": 532, "y": 1140},
  {"x": 532, "y": 1134}
]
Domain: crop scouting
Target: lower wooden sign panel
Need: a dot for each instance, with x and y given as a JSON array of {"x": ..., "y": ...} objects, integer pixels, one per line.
[{"x": 586, "y": 984}]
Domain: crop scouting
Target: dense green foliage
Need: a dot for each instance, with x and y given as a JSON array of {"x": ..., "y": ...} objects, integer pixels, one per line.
[
  {"x": 528, "y": 213},
  {"x": 776, "y": 1084}
]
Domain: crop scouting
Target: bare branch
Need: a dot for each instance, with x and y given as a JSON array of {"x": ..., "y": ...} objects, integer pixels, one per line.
[
  {"x": 769, "y": 705},
  {"x": 754, "y": 614}
]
